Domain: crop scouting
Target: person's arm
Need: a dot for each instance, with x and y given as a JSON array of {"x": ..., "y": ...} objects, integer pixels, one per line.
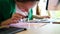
[
  {"x": 14, "y": 19},
  {"x": 4, "y": 6},
  {"x": 5, "y": 23}
]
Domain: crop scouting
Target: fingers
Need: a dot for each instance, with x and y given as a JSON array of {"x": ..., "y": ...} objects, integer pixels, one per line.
[
  {"x": 46, "y": 16},
  {"x": 16, "y": 14},
  {"x": 14, "y": 21},
  {"x": 4, "y": 26},
  {"x": 16, "y": 17},
  {"x": 21, "y": 16}
]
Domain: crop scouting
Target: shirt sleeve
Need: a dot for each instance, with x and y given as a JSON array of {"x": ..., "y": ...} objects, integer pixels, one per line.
[
  {"x": 3, "y": 10},
  {"x": 0, "y": 11},
  {"x": 6, "y": 9},
  {"x": 1, "y": 18}
]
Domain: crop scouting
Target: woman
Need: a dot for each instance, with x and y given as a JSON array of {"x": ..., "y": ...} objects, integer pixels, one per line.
[{"x": 8, "y": 10}]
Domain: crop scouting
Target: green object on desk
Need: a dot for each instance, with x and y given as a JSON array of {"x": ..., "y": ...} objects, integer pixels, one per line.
[{"x": 30, "y": 14}]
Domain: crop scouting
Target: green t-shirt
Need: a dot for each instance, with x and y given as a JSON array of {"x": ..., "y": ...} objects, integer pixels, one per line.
[{"x": 7, "y": 8}]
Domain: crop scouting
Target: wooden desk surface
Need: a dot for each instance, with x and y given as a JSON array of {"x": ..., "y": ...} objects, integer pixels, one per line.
[
  {"x": 33, "y": 28},
  {"x": 30, "y": 31},
  {"x": 47, "y": 29}
]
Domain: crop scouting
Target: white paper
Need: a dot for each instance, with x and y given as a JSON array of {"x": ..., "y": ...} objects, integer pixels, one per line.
[{"x": 20, "y": 25}]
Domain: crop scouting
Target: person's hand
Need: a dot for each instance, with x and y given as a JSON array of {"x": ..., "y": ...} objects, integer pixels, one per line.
[
  {"x": 14, "y": 19},
  {"x": 40, "y": 17},
  {"x": 45, "y": 16}
]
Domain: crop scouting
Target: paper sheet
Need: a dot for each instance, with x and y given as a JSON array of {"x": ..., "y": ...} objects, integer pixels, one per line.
[{"x": 20, "y": 25}]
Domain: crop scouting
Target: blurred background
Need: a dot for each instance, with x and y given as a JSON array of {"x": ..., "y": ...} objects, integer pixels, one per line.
[{"x": 47, "y": 9}]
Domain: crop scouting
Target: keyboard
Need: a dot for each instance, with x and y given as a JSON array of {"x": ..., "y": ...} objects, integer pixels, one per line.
[{"x": 11, "y": 30}]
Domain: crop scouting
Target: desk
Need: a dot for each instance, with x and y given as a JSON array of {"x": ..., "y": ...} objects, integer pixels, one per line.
[
  {"x": 33, "y": 28},
  {"x": 47, "y": 29}
]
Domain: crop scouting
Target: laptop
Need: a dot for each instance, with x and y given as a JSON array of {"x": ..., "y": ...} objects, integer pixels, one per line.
[{"x": 11, "y": 30}]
